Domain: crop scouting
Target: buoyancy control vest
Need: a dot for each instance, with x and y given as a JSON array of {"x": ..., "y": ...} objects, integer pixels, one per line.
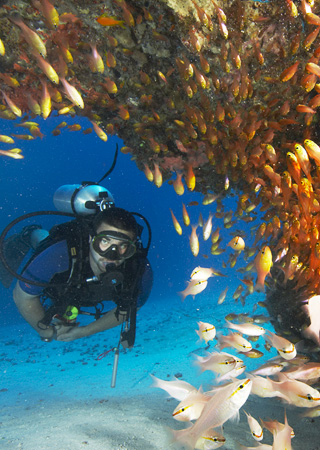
[{"x": 78, "y": 286}]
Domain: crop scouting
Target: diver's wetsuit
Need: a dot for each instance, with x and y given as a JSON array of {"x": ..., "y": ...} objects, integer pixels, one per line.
[{"x": 54, "y": 265}]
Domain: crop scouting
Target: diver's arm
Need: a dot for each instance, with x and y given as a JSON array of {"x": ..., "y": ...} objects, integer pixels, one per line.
[
  {"x": 107, "y": 321},
  {"x": 31, "y": 310}
]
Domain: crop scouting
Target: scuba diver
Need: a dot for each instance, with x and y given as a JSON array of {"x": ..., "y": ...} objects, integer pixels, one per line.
[
  {"x": 96, "y": 257},
  {"x": 84, "y": 267}
]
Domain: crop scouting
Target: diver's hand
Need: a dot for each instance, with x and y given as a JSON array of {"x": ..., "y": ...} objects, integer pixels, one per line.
[{"x": 68, "y": 334}]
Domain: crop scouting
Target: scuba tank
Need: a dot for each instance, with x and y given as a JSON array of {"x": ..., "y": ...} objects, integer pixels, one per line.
[{"x": 82, "y": 199}]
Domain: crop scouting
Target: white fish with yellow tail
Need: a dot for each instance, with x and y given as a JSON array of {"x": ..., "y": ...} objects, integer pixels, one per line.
[
  {"x": 255, "y": 427},
  {"x": 284, "y": 347},
  {"x": 297, "y": 393},
  {"x": 306, "y": 372},
  {"x": 191, "y": 407},
  {"x": 312, "y": 309},
  {"x": 269, "y": 368},
  {"x": 207, "y": 228},
  {"x": 176, "y": 224},
  {"x": 194, "y": 287},
  {"x": 233, "y": 373},
  {"x": 236, "y": 341},
  {"x": 274, "y": 426},
  {"x": 206, "y": 332},
  {"x": 202, "y": 273},
  {"x": 250, "y": 329},
  {"x": 219, "y": 363},
  {"x": 282, "y": 438},
  {"x": 263, "y": 264},
  {"x": 177, "y": 389},
  {"x": 263, "y": 387},
  {"x": 224, "y": 404},
  {"x": 194, "y": 241},
  {"x": 210, "y": 440}
]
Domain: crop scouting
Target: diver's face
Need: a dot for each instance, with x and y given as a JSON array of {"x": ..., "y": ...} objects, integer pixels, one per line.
[{"x": 100, "y": 262}]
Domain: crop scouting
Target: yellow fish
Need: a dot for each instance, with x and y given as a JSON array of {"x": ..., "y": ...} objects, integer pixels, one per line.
[
  {"x": 176, "y": 224},
  {"x": 263, "y": 264}
]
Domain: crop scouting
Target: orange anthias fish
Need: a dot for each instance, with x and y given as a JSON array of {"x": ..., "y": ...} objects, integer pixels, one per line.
[
  {"x": 263, "y": 264},
  {"x": 108, "y": 21},
  {"x": 185, "y": 215},
  {"x": 237, "y": 243},
  {"x": 32, "y": 38},
  {"x": 176, "y": 224},
  {"x": 178, "y": 185}
]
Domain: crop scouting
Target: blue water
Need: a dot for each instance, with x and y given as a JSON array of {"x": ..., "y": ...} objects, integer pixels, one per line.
[
  {"x": 38, "y": 380},
  {"x": 28, "y": 185}
]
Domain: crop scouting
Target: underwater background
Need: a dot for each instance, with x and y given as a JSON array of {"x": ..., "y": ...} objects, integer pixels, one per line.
[
  {"x": 228, "y": 94},
  {"x": 166, "y": 341},
  {"x": 39, "y": 381}
]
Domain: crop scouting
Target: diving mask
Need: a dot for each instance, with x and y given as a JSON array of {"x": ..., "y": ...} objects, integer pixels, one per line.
[{"x": 113, "y": 245}]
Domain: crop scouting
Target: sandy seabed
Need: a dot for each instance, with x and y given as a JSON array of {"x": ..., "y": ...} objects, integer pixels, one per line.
[{"x": 57, "y": 396}]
